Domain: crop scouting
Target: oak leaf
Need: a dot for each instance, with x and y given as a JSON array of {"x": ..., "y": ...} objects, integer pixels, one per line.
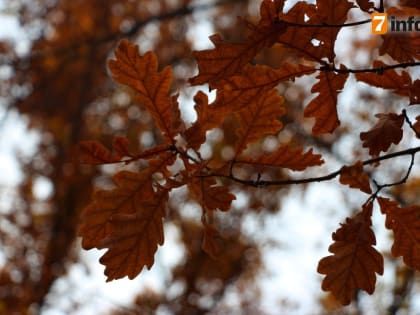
[
  {"x": 120, "y": 200},
  {"x": 401, "y": 46},
  {"x": 120, "y": 146},
  {"x": 260, "y": 118},
  {"x": 324, "y": 106},
  {"x": 414, "y": 93},
  {"x": 389, "y": 79},
  {"x": 405, "y": 223},
  {"x": 227, "y": 59},
  {"x": 416, "y": 125},
  {"x": 301, "y": 39},
  {"x": 410, "y": 3},
  {"x": 355, "y": 260},
  {"x": 239, "y": 91},
  {"x": 94, "y": 152},
  {"x": 365, "y": 5},
  {"x": 387, "y": 130},
  {"x": 286, "y": 157},
  {"x": 208, "y": 117},
  {"x": 209, "y": 195},
  {"x": 106, "y": 203},
  {"x": 133, "y": 238},
  {"x": 355, "y": 177},
  {"x": 330, "y": 12},
  {"x": 141, "y": 73}
]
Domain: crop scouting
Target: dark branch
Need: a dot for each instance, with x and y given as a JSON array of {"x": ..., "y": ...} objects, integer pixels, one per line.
[
  {"x": 309, "y": 25},
  {"x": 264, "y": 183},
  {"x": 377, "y": 70}
]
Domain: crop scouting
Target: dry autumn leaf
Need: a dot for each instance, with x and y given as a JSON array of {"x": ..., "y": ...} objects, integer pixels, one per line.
[
  {"x": 390, "y": 79},
  {"x": 227, "y": 59},
  {"x": 324, "y": 106},
  {"x": 259, "y": 119},
  {"x": 386, "y": 131},
  {"x": 365, "y": 5},
  {"x": 94, "y": 152},
  {"x": 355, "y": 260},
  {"x": 355, "y": 177},
  {"x": 141, "y": 73},
  {"x": 209, "y": 195},
  {"x": 401, "y": 46},
  {"x": 330, "y": 12},
  {"x": 405, "y": 223},
  {"x": 286, "y": 157},
  {"x": 208, "y": 117},
  {"x": 133, "y": 238}
]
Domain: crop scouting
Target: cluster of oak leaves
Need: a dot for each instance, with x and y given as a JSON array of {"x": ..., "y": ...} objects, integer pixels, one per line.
[{"x": 127, "y": 220}]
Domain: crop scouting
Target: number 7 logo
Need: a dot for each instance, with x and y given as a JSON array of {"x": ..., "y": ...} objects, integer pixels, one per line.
[{"x": 379, "y": 23}]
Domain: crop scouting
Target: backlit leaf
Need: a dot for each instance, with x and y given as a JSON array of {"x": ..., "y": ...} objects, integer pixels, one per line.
[
  {"x": 239, "y": 91},
  {"x": 401, "y": 45},
  {"x": 389, "y": 79},
  {"x": 414, "y": 93},
  {"x": 94, "y": 152},
  {"x": 324, "y": 106},
  {"x": 301, "y": 40},
  {"x": 330, "y": 12},
  {"x": 386, "y": 131},
  {"x": 260, "y": 118},
  {"x": 227, "y": 59},
  {"x": 120, "y": 146},
  {"x": 209, "y": 195},
  {"x": 141, "y": 73},
  {"x": 405, "y": 223},
  {"x": 286, "y": 157},
  {"x": 123, "y": 199},
  {"x": 134, "y": 237},
  {"x": 355, "y": 177},
  {"x": 208, "y": 117},
  {"x": 355, "y": 260},
  {"x": 365, "y": 5},
  {"x": 106, "y": 203}
]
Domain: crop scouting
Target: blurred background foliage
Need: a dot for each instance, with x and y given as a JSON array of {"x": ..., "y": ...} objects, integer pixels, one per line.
[{"x": 58, "y": 84}]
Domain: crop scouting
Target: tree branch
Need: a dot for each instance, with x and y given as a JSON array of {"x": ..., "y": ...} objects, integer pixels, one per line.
[
  {"x": 278, "y": 21},
  {"x": 264, "y": 183}
]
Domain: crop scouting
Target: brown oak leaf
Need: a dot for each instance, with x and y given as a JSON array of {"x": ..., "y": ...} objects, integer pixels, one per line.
[
  {"x": 133, "y": 238},
  {"x": 209, "y": 195},
  {"x": 401, "y": 46},
  {"x": 141, "y": 73},
  {"x": 324, "y": 106},
  {"x": 387, "y": 130},
  {"x": 405, "y": 223},
  {"x": 365, "y": 5},
  {"x": 94, "y": 152},
  {"x": 355, "y": 260},
  {"x": 414, "y": 93},
  {"x": 260, "y": 118},
  {"x": 355, "y": 177},
  {"x": 389, "y": 79},
  {"x": 227, "y": 59},
  {"x": 286, "y": 157}
]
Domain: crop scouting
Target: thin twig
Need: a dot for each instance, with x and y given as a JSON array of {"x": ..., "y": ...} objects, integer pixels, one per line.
[
  {"x": 264, "y": 183},
  {"x": 309, "y": 25}
]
